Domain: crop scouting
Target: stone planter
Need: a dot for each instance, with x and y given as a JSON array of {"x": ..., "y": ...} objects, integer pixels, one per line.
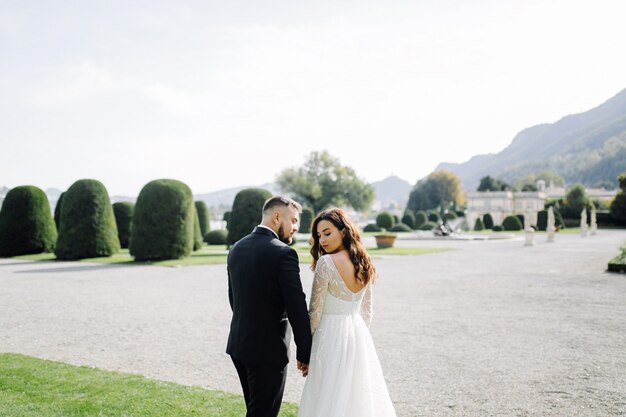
[{"x": 385, "y": 241}]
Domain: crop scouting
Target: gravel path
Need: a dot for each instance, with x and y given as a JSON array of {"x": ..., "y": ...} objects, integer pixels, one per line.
[{"x": 489, "y": 329}]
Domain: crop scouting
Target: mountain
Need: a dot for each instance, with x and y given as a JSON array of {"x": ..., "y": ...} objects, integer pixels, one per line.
[
  {"x": 589, "y": 147},
  {"x": 391, "y": 192},
  {"x": 224, "y": 198}
]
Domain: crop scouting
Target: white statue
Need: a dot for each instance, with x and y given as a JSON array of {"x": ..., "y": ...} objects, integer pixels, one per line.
[
  {"x": 594, "y": 220},
  {"x": 583, "y": 223},
  {"x": 550, "y": 228}
]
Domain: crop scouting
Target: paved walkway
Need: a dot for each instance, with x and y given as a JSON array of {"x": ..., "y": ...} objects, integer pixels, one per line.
[{"x": 489, "y": 329}]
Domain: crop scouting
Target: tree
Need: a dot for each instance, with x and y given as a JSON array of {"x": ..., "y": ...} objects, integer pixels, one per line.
[
  {"x": 618, "y": 205},
  {"x": 306, "y": 218},
  {"x": 323, "y": 182},
  {"x": 440, "y": 189},
  {"x": 491, "y": 184},
  {"x": 26, "y": 223},
  {"x": 530, "y": 181},
  {"x": 576, "y": 200},
  {"x": 385, "y": 220},
  {"x": 247, "y": 213}
]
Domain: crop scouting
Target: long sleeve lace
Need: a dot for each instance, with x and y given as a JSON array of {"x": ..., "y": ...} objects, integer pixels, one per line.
[
  {"x": 318, "y": 293},
  {"x": 366, "y": 305}
]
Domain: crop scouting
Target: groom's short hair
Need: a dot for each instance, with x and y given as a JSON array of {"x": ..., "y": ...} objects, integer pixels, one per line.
[{"x": 280, "y": 201}]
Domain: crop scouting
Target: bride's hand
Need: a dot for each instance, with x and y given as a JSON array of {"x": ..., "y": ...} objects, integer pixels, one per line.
[{"x": 304, "y": 368}]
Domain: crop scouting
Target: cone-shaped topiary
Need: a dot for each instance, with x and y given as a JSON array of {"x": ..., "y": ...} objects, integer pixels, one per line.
[
  {"x": 488, "y": 221},
  {"x": 479, "y": 225},
  {"x": 57, "y": 210},
  {"x": 197, "y": 232},
  {"x": 26, "y": 223},
  {"x": 385, "y": 220},
  {"x": 246, "y": 213},
  {"x": 123, "y": 212},
  {"x": 203, "y": 217},
  {"x": 306, "y": 218},
  {"x": 88, "y": 228},
  {"x": 163, "y": 222}
]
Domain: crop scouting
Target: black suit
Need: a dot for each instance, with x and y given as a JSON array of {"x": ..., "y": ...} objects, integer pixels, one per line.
[{"x": 264, "y": 290}]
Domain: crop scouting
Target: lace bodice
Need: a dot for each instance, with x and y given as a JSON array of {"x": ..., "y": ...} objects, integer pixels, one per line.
[{"x": 330, "y": 295}]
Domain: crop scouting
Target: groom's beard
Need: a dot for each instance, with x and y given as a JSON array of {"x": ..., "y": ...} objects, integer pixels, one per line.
[{"x": 281, "y": 235}]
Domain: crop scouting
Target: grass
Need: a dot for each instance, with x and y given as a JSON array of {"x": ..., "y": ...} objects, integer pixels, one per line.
[
  {"x": 216, "y": 254},
  {"x": 34, "y": 387}
]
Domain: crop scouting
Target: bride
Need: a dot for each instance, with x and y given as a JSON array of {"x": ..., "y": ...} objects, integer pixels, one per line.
[{"x": 344, "y": 375}]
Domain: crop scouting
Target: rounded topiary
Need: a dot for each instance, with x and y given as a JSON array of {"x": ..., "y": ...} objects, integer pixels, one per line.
[
  {"x": 197, "y": 232},
  {"x": 204, "y": 217},
  {"x": 434, "y": 217},
  {"x": 488, "y": 221},
  {"x": 449, "y": 216},
  {"x": 88, "y": 228},
  {"x": 123, "y": 212},
  {"x": 306, "y": 218},
  {"x": 216, "y": 237},
  {"x": 428, "y": 226},
  {"x": 163, "y": 222},
  {"x": 478, "y": 225},
  {"x": 57, "y": 210},
  {"x": 400, "y": 227},
  {"x": 246, "y": 213},
  {"x": 396, "y": 219},
  {"x": 409, "y": 219},
  {"x": 420, "y": 218},
  {"x": 497, "y": 228},
  {"x": 385, "y": 220},
  {"x": 521, "y": 219},
  {"x": 542, "y": 220},
  {"x": 512, "y": 223},
  {"x": 26, "y": 223},
  {"x": 372, "y": 227}
]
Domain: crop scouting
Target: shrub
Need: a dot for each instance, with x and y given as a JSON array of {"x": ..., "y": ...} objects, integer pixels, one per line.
[
  {"x": 197, "y": 231},
  {"x": 400, "y": 227},
  {"x": 226, "y": 218},
  {"x": 26, "y": 223},
  {"x": 449, "y": 216},
  {"x": 497, "y": 228},
  {"x": 420, "y": 218},
  {"x": 246, "y": 213},
  {"x": 478, "y": 225},
  {"x": 57, "y": 210},
  {"x": 409, "y": 219},
  {"x": 521, "y": 219},
  {"x": 216, "y": 237},
  {"x": 306, "y": 218},
  {"x": 434, "y": 217},
  {"x": 88, "y": 227},
  {"x": 385, "y": 220},
  {"x": 372, "y": 227},
  {"x": 542, "y": 220},
  {"x": 203, "y": 217},
  {"x": 428, "y": 226},
  {"x": 163, "y": 222},
  {"x": 488, "y": 221},
  {"x": 123, "y": 212},
  {"x": 618, "y": 205},
  {"x": 512, "y": 223},
  {"x": 396, "y": 219}
]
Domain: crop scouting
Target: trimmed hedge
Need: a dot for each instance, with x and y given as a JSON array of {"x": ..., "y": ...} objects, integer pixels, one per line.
[
  {"x": 385, "y": 220},
  {"x": 497, "y": 228},
  {"x": 123, "y": 212},
  {"x": 216, "y": 237},
  {"x": 306, "y": 219},
  {"x": 512, "y": 223},
  {"x": 449, "y": 216},
  {"x": 521, "y": 219},
  {"x": 488, "y": 221},
  {"x": 478, "y": 225},
  {"x": 434, "y": 217},
  {"x": 57, "y": 210},
  {"x": 372, "y": 227},
  {"x": 428, "y": 226},
  {"x": 88, "y": 228},
  {"x": 409, "y": 219},
  {"x": 400, "y": 227},
  {"x": 226, "y": 218},
  {"x": 542, "y": 220},
  {"x": 204, "y": 217},
  {"x": 197, "y": 232},
  {"x": 420, "y": 218},
  {"x": 163, "y": 222},
  {"x": 246, "y": 213},
  {"x": 26, "y": 223}
]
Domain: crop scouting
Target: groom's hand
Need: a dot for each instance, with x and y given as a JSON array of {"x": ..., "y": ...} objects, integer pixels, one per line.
[{"x": 304, "y": 368}]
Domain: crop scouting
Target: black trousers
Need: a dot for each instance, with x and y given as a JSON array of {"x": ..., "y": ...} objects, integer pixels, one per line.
[{"x": 263, "y": 387}]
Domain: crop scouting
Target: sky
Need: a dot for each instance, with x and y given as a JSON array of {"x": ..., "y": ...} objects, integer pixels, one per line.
[{"x": 220, "y": 94}]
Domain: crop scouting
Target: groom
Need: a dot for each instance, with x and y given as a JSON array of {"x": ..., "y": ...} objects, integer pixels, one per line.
[{"x": 265, "y": 291}]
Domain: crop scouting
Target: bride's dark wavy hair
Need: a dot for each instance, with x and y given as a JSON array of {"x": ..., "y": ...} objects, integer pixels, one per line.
[{"x": 363, "y": 267}]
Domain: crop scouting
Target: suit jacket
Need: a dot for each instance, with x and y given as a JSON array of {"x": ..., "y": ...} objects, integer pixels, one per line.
[{"x": 265, "y": 294}]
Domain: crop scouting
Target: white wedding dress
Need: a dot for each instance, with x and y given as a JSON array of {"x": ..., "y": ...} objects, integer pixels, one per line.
[{"x": 345, "y": 378}]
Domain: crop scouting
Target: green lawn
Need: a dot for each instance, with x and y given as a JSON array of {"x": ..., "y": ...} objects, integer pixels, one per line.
[
  {"x": 217, "y": 254},
  {"x": 31, "y": 387}
]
